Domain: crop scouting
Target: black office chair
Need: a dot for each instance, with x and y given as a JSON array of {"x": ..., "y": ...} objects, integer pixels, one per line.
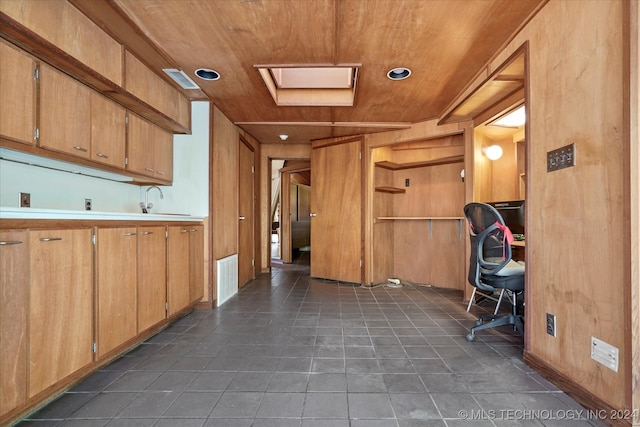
[{"x": 491, "y": 268}]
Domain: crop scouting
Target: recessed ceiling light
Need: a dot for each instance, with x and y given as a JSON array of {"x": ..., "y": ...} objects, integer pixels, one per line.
[
  {"x": 283, "y": 137},
  {"x": 207, "y": 74},
  {"x": 399, "y": 73}
]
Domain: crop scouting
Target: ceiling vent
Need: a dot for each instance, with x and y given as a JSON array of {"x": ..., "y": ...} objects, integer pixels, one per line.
[
  {"x": 304, "y": 85},
  {"x": 181, "y": 78}
]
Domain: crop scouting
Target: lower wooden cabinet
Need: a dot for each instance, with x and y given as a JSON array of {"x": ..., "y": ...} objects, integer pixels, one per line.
[
  {"x": 14, "y": 298},
  {"x": 116, "y": 288},
  {"x": 185, "y": 272},
  {"x": 152, "y": 276},
  {"x": 61, "y": 305}
]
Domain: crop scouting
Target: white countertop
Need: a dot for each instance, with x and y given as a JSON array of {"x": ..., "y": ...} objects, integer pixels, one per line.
[{"x": 34, "y": 213}]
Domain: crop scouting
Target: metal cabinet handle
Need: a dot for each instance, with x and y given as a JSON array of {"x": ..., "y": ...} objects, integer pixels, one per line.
[
  {"x": 189, "y": 231},
  {"x": 50, "y": 239},
  {"x": 130, "y": 234},
  {"x": 148, "y": 169},
  {"x": 241, "y": 218},
  {"x": 104, "y": 156},
  {"x": 79, "y": 148},
  {"x": 312, "y": 214},
  {"x": 10, "y": 242},
  {"x": 145, "y": 233},
  {"x": 160, "y": 173}
]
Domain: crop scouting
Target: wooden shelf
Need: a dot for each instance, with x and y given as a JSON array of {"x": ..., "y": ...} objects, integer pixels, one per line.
[
  {"x": 392, "y": 190},
  {"x": 412, "y": 165}
]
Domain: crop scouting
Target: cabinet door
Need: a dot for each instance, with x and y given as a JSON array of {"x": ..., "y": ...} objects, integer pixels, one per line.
[
  {"x": 149, "y": 149},
  {"x": 178, "y": 290},
  {"x": 108, "y": 131},
  {"x": 14, "y": 300},
  {"x": 152, "y": 276},
  {"x": 116, "y": 306},
  {"x": 17, "y": 91},
  {"x": 196, "y": 264},
  {"x": 65, "y": 113},
  {"x": 61, "y": 305},
  {"x": 336, "y": 209}
]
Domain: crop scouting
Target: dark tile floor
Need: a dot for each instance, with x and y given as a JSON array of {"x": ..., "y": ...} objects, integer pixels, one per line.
[{"x": 290, "y": 350}]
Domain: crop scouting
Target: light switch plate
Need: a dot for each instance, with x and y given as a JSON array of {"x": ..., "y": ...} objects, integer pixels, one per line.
[{"x": 561, "y": 158}]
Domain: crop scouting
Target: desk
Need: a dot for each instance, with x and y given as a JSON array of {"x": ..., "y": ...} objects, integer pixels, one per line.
[{"x": 517, "y": 250}]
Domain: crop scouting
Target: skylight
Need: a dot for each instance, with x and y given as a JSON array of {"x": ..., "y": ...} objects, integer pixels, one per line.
[{"x": 311, "y": 85}]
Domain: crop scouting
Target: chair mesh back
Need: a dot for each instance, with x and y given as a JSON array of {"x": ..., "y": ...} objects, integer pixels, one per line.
[{"x": 489, "y": 250}]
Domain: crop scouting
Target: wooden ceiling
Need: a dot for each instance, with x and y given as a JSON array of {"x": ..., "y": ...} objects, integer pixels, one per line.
[{"x": 445, "y": 43}]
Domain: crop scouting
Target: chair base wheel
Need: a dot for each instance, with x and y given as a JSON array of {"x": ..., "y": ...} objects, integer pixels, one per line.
[{"x": 470, "y": 337}]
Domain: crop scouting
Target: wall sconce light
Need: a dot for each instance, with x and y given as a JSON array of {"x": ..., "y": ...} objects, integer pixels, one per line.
[{"x": 493, "y": 152}]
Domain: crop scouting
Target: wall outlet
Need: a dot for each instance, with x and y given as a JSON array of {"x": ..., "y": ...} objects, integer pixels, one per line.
[
  {"x": 25, "y": 200},
  {"x": 407, "y": 182},
  {"x": 87, "y": 204},
  {"x": 551, "y": 324}
]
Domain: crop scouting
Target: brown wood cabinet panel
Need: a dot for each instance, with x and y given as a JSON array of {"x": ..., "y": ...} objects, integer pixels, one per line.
[
  {"x": 149, "y": 149},
  {"x": 336, "y": 209},
  {"x": 108, "y": 131},
  {"x": 116, "y": 287},
  {"x": 88, "y": 43},
  {"x": 152, "y": 276},
  {"x": 196, "y": 264},
  {"x": 14, "y": 300},
  {"x": 61, "y": 305},
  {"x": 17, "y": 91},
  {"x": 178, "y": 290},
  {"x": 65, "y": 113},
  {"x": 155, "y": 91}
]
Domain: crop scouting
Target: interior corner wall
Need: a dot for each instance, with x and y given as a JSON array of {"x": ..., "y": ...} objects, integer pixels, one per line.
[{"x": 576, "y": 232}]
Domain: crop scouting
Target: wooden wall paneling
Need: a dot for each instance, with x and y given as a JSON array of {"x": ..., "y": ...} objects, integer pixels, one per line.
[
  {"x": 18, "y": 94},
  {"x": 60, "y": 306},
  {"x": 197, "y": 263},
  {"x": 116, "y": 284},
  {"x": 87, "y": 42},
  {"x": 14, "y": 300},
  {"x": 569, "y": 204}
]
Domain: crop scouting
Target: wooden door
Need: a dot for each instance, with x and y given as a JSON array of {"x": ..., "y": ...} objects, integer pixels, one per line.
[
  {"x": 152, "y": 276},
  {"x": 17, "y": 91},
  {"x": 116, "y": 306},
  {"x": 65, "y": 113},
  {"x": 108, "y": 131},
  {"x": 14, "y": 303},
  {"x": 61, "y": 305},
  {"x": 178, "y": 289},
  {"x": 286, "y": 255},
  {"x": 246, "y": 225},
  {"x": 336, "y": 212}
]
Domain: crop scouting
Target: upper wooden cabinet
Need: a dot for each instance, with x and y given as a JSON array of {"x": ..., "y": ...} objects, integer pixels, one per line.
[
  {"x": 108, "y": 131},
  {"x": 17, "y": 91},
  {"x": 65, "y": 113},
  {"x": 149, "y": 87},
  {"x": 87, "y": 43},
  {"x": 149, "y": 149}
]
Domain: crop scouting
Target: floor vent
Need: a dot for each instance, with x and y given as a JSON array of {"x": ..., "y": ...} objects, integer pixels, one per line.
[{"x": 227, "y": 278}]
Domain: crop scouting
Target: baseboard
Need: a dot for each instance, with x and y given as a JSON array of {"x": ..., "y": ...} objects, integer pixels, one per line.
[{"x": 605, "y": 412}]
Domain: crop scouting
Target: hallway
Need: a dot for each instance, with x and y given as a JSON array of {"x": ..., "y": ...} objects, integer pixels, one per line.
[{"x": 289, "y": 350}]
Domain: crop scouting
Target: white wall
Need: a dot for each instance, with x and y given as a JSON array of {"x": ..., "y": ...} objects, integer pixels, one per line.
[{"x": 51, "y": 189}]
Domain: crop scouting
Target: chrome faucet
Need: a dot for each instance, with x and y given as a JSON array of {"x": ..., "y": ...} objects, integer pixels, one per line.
[{"x": 145, "y": 206}]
